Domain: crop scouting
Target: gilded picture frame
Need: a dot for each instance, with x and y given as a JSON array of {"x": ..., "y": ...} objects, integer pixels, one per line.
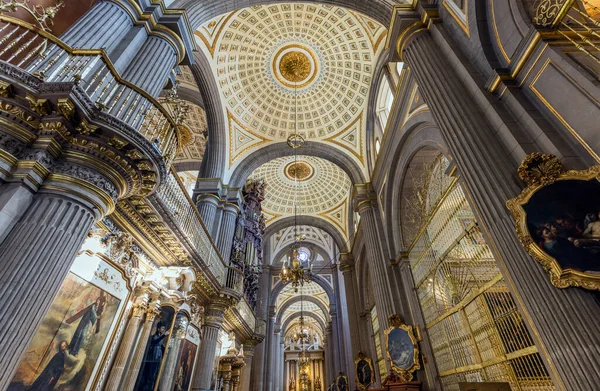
[
  {"x": 544, "y": 174},
  {"x": 342, "y": 386},
  {"x": 362, "y": 381},
  {"x": 401, "y": 348}
]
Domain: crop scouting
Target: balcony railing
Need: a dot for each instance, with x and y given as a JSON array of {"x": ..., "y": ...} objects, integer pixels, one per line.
[
  {"x": 178, "y": 203},
  {"x": 246, "y": 313},
  {"x": 48, "y": 58}
]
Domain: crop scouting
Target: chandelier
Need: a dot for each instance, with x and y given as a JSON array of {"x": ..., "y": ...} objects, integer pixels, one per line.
[
  {"x": 301, "y": 334},
  {"x": 294, "y": 271}
]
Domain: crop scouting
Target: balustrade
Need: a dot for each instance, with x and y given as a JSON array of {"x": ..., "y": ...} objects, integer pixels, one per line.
[{"x": 50, "y": 59}]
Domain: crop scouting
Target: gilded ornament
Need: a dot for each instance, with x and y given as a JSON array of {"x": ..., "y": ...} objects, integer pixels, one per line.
[
  {"x": 117, "y": 142},
  {"x": 43, "y": 15},
  {"x": 19, "y": 114},
  {"x": 402, "y": 349},
  {"x": 557, "y": 220},
  {"x": 5, "y": 89},
  {"x": 548, "y": 13},
  {"x": 40, "y": 106},
  {"x": 364, "y": 371},
  {"x": 134, "y": 154},
  {"x": 294, "y": 66},
  {"x": 66, "y": 108},
  {"x": 144, "y": 165},
  {"x": 86, "y": 128}
]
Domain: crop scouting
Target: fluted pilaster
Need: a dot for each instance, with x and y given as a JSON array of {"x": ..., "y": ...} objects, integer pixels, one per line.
[
  {"x": 378, "y": 273},
  {"x": 140, "y": 350},
  {"x": 206, "y": 355},
  {"x": 559, "y": 317},
  {"x": 152, "y": 65},
  {"x": 35, "y": 259},
  {"x": 207, "y": 205},
  {"x": 125, "y": 347},
  {"x": 227, "y": 230}
]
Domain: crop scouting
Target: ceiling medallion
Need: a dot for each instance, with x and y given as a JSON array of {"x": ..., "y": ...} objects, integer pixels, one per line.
[
  {"x": 295, "y": 141},
  {"x": 300, "y": 171},
  {"x": 294, "y": 66}
]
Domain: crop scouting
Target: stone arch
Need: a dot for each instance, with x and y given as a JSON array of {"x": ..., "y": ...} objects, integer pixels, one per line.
[
  {"x": 310, "y": 148},
  {"x": 419, "y": 135},
  {"x": 204, "y": 10},
  {"x": 305, "y": 314},
  {"x": 285, "y": 250},
  {"x": 313, "y": 221},
  {"x": 316, "y": 279},
  {"x": 214, "y": 160},
  {"x": 297, "y": 299}
]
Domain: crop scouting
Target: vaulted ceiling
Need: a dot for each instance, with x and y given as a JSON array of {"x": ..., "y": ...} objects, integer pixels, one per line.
[{"x": 284, "y": 68}]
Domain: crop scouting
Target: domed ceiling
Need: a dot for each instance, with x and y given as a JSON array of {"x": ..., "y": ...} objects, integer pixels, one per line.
[
  {"x": 321, "y": 190},
  {"x": 274, "y": 61}
]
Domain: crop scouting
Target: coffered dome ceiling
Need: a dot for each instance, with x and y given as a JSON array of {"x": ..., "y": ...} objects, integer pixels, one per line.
[
  {"x": 322, "y": 189},
  {"x": 272, "y": 60}
]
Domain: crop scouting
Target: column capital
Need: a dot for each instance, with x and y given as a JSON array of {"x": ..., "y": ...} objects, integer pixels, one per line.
[{"x": 363, "y": 197}]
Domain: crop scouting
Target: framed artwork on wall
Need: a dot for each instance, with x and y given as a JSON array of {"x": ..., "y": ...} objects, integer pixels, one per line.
[
  {"x": 402, "y": 348},
  {"x": 68, "y": 347},
  {"x": 365, "y": 374},
  {"x": 557, "y": 219}
]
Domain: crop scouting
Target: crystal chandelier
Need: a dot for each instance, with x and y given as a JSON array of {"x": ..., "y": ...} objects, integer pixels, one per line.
[
  {"x": 294, "y": 270},
  {"x": 301, "y": 334}
]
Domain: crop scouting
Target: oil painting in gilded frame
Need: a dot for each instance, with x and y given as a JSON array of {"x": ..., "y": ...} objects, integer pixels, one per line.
[
  {"x": 557, "y": 219},
  {"x": 341, "y": 382},
  {"x": 70, "y": 343},
  {"x": 402, "y": 349},
  {"x": 365, "y": 373}
]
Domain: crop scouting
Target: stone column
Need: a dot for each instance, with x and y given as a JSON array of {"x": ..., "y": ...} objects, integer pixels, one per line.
[
  {"x": 227, "y": 230},
  {"x": 126, "y": 345},
  {"x": 152, "y": 65},
  {"x": 268, "y": 368},
  {"x": 261, "y": 313},
  {"x": 347, "y": 269},
  {"x": 103, "y": 26},
  {"x": 247, "y": 370},
  {"x": 207, "y": 205},
  {"x": 140, "y": 350},
  {"x": 378, "y": 267},
  {"x": 558, "y": 317},
  {"x": 206, "y": 356}
]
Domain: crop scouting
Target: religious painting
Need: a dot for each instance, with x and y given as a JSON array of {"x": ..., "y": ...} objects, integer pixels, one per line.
[
  {"x": 558, "y": 220},
  {"x": 401, "y": 348},
  {"x": 341, "y": 382},
  {"x": 67, "y": 345},
  {"x": 364, "y": 371},
  {"x": 183, "y": 373},
  {"x": 156, "y": 346}
]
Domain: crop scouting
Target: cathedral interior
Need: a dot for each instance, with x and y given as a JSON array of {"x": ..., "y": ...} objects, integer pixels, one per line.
[{"x": 329, "y": 195}]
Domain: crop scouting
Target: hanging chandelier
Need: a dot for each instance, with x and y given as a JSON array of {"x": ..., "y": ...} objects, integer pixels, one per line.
[
  {"x": 294, "y": 270},
  {"x": 301, "y": 334}
]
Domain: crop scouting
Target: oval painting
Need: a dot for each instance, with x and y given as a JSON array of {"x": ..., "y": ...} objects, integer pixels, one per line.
[{"x": 401, "y": 349}]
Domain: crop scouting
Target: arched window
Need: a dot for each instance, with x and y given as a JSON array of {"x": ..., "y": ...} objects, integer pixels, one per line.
[
  {"x": 377, "y": 146},
  {"x": 471, "y": 317},
  {"x": 385, "y": 99}
]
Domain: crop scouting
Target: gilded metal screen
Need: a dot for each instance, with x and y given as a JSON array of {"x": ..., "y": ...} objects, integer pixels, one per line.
[
  {"x": 379, "y": 351},
  {"x": 472, "y": 321}
]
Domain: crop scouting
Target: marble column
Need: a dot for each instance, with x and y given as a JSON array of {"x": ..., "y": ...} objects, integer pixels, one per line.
[
  {"x": 227, "y": 230},
  {"x": 378, "y": 267},
  {"x": 247, "y": 371},
  {"x": 260, "y": 351},
  {"x": 347, "y": 269},
  {"x": 214, "y": 316},
  {"x": 207, "y": 205},
  {"x": 35, "y": 258},
  {"x": 140, "y": 350},
  {"x": 125, "y": 346},
  {"x": 558, "y": 317}
]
